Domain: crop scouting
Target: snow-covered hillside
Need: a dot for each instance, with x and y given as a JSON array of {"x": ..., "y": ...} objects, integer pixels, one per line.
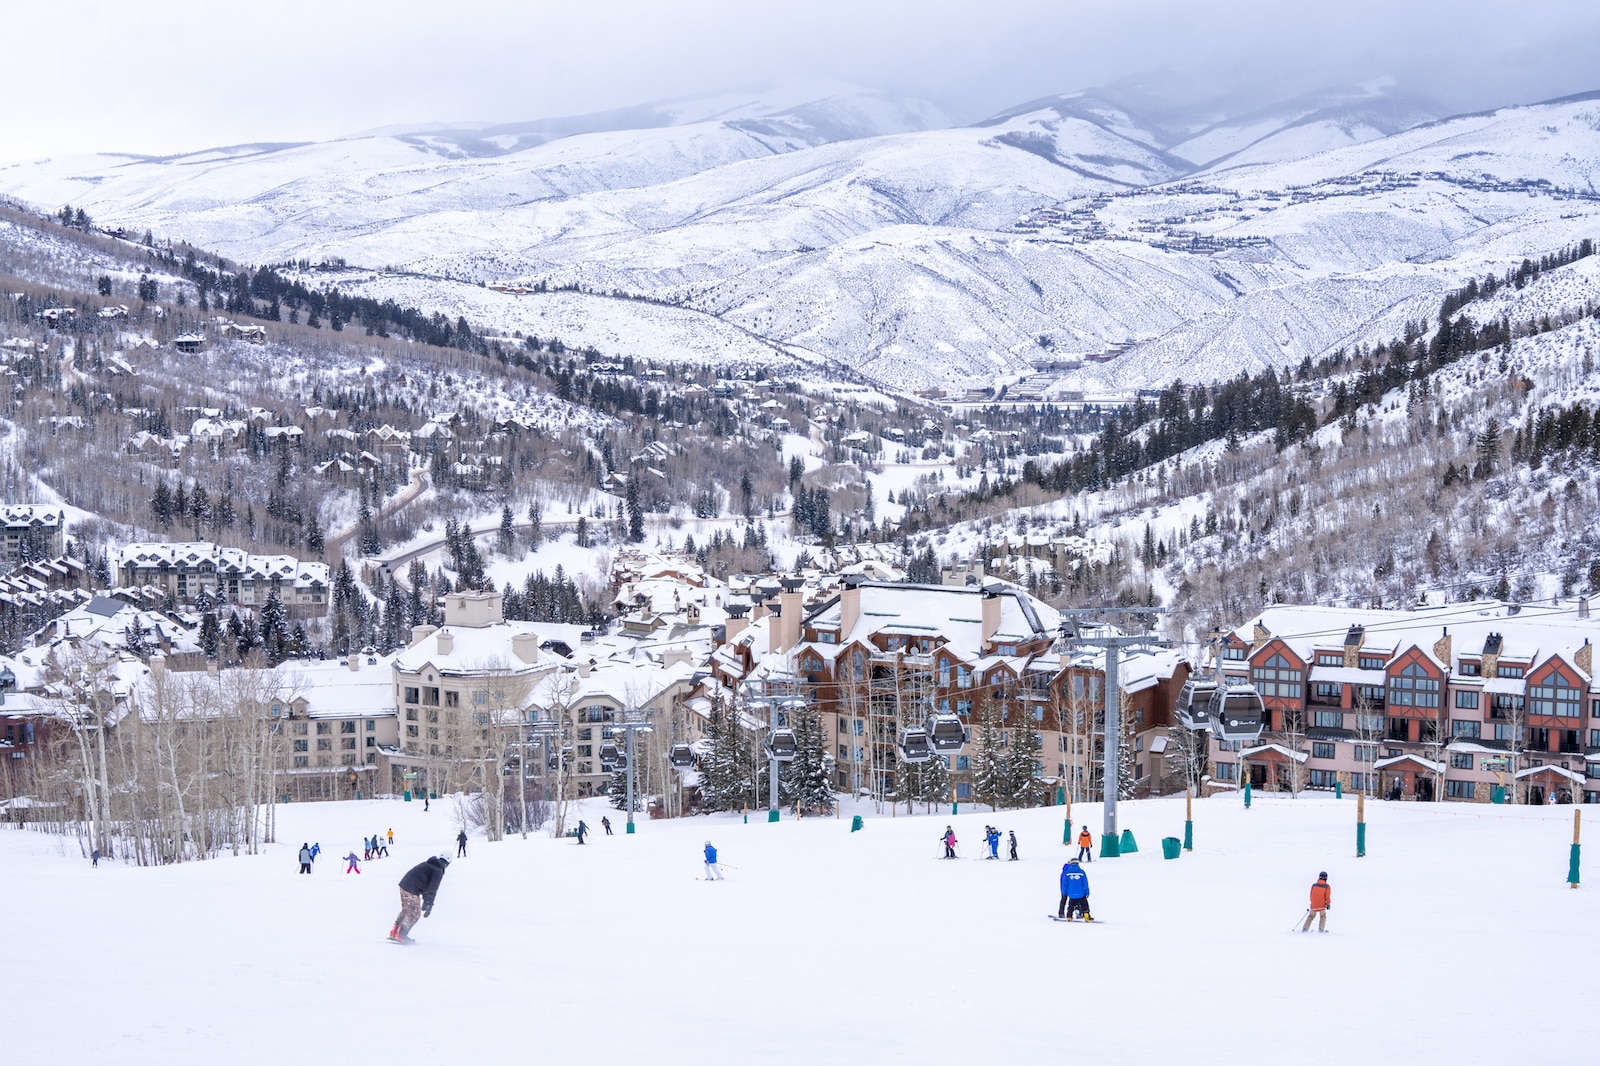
[{"x": 860, "y": 230}]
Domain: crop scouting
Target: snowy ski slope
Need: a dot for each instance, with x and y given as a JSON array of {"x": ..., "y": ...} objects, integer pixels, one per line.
[{"x": 823, "y": 945}]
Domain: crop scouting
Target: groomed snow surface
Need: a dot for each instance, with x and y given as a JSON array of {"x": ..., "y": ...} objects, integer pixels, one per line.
[{"x": 1455, "y": 940}]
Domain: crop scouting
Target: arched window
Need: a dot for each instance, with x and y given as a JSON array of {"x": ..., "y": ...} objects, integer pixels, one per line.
[
  {"x": 1277, "y": 677},
  {"x": 1554, "y": 696},
  {"x": 1413, "y": 688}
]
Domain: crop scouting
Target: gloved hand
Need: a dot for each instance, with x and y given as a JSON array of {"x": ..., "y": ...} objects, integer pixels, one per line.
[{"x": 427, "y": 910}]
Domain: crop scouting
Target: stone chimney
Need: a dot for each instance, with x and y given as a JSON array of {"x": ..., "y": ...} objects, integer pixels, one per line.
[
  {"x": 422, "y": 633},
  {"x": 991, "y": 612},
  {"x": 1584, "y": 658},
  {"x": 1491, "y": 655},
  {"x": 525, "y": 646},
  {"x": 446, "y": 641},
  {"x": 1259, "y": 635},
  {"x": 1353, "y": 640},
  {"x": 849, "y": 605},
  {"x": 1443, "y": 647}
]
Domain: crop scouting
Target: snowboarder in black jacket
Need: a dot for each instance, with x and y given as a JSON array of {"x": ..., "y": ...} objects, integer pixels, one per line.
[
  {"x": 461, "y": 843},
  {"x": 417, "y": 890}
]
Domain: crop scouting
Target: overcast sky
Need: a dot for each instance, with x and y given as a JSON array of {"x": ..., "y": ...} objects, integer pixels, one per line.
[{"x": 166, "y": 76}]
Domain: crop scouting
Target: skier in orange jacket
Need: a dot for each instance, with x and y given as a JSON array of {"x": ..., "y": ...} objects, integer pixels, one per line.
[
  {"x": 1321, "y": 903},
  {"x": 1085, "y": 845}
]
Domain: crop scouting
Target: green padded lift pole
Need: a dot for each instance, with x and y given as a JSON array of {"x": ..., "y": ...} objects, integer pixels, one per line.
[
  {"x": 1361, "y": 825},
  {"x": 1572, "y": 864},
  {"x": 1188, "y": 820}
]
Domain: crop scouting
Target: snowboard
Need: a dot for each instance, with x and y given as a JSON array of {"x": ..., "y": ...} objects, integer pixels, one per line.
[{"x": 1069, "y": 921}]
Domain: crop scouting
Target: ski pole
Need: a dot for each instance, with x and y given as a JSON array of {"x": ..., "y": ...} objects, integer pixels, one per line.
[{"x": 1300, "y": 920}]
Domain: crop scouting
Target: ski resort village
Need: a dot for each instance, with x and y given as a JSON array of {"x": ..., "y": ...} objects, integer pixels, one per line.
[{"x": 806, "y": 573}]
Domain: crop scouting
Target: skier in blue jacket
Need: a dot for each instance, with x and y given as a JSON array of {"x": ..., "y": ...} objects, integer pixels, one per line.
[
  {"x": 712, "y": 872},
  {"x": 1074, "y": 892},
  {"x": 992, "y": 835}
]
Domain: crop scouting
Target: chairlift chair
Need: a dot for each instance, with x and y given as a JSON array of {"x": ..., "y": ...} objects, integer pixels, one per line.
[
  {"x": 1194, "y": 703},
  {"x": 1237, "y": 713},
  {"x": 914, "y": 745},
  {"x": 681, "y": 757},
  {"x": 945, "y": 733},
  {"x": 781, "y": 746}
]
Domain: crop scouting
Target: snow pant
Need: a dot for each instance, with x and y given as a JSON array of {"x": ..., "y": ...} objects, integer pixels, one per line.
[
  {"x": 410, "y": 911},
  {"x": 712, "y": 872},
  {"x": 461, "y": 849},
  {"x": 608, "y": 830},
  {"x": 1322, "y": 920},
  {"x": 352, "y": 868},
  {"x": 1076, "y": 907},
  {"x": 1085, "y": 853},
  {"x": 1013, "y": 851},
  {"x": 949, "y": 851},
  {"x": 305, "y": 867}
]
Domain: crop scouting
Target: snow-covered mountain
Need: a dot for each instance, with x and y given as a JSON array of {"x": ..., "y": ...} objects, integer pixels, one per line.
[{"x": 870, "y": 231}]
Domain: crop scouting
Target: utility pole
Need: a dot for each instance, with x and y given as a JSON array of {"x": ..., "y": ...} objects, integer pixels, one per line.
[
  {"x": 1113, "y": 644},
  {"x": 634, "y": 722}
]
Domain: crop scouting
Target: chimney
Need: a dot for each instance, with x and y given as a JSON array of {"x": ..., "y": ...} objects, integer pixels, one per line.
[
  {"x": 1583, "y": 607},
  {"x": 1259, "y": 635},
  {"x": 584, "y": 666},
  {"x": 991, "y": 612},
  {"x": 1353, "y": 639},
  {"x": 788, "y": 622},
  {"x": 421, "y": 633},
  {"x": 446, "y": 641},
  {"x": 525, "y": 646},
  {"x": 1443, "y": 647},
  {"x": 1584, "y": 658},
  {"x": 736, "y": 622},
  {"x": 355, "y": 661},
  {"x": 849, "y": 606}
]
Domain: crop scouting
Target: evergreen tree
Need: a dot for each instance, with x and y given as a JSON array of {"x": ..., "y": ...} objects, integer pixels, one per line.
[
  {"x": 635, "y": 512},
  {"x": 1125, "y": 769},
  {"x": 535, "y": 515},
  {"x": 508, "y": 530},
  {"x": 315, "y": 543},
  {"x": 990, "y": 770},
  {"x": 1024, "y": 786},
  {"x": 806, "y": 783},
  {"x": 583, "y": 532},
  {"x": 274, "y": 632},
  {"x": 617, "y": 791}
]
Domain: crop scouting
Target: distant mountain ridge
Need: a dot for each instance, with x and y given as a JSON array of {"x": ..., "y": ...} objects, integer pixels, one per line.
[{"x": 872, "y": 231}]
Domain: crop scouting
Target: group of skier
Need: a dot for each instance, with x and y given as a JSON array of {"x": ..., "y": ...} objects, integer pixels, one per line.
[{"x": 991, "y": 840}]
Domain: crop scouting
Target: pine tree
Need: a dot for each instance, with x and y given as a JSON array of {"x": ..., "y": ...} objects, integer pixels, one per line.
[
  {"x": 1125, "y": 774},
  {"x": 807, "y": 782},
  {"x": 535, "y": 514},
  {"x": 635, "y": 512},
  {"x": 617, "y": 791},
  {"x": 1025, "y": 786},
  {"x": 989, "y": 763},
  {"x": 508, "y": 530}
]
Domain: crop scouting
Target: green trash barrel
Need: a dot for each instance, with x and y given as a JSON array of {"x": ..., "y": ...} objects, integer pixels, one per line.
[
  {"x": 408, "y": 795},
  {"x": 1497, "y": 794},
  {"x": 1171, "y": 847},
  {"x": 855, "y": 823},
  {"x": 1128, "y": 845}
]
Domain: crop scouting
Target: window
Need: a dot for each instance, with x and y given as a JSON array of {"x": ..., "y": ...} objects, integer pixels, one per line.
[
  {"x": 1276, "y": 677},
  {"x": 1504, "y": 732},
  {"x": 1323, "y": 751},
  {"x": 944, "y": 673},
  {"x": 1006, "y": 649},
  {"x": 1592, "y": 769},
  {"x": 1328, "y": 720},
  {"x": 480, "y": 697},
  {"x": 1594, "y": 738},
  {"x": 1324, "y": 778},
  {"x": 1460, "y": 760},
  {"x": 844, "y": 756},
  {"x": 347, "y": 743},
  {"x": 1569, "y": 742},
  {"x": 1371, "y": 695},
  {"x": 1413, "y": 688},
  {"x": 1556, "y": 698},
  {"x": 372, "y": 742},
  {"x": 1329, "y": 658},
  {"x": 823, "y": 637},
  {"x": 1228, "y": 745},
  {"x": 300, "y": 729},
  {"x": 411, "y": 714},
  {"x": 1359, "y": 782},
  {"x": 1399, "y": 729},
  {"x": 1227, "y": 771},
  {"x": 372, "y": 725},
  {"x": 430, "y": 697},
  {"x": 347, "y": 727},
  {"x": 1505, "y": 703},
  {"x": 452, "y": 698},
  {"x": 302, "y": 745},
  {"x": 302, "y": 760},
  {"x": 1471, "y": 668},
  {"x": 963, "y": 707},
  {"x": 1369, "y": 723},
  {"x": 1371, "y": 662},
  {"x": 411, "y": 731},
  {"x": 324, "y": 743},
  {"x": 963, "y": 677},
  {"x": 1236, "y": 652},
  {"x": 586, "y": 751},
  {"x": 1466, "y": 700},
  {"x": 861, "y": 728},
  {"x": 1366, "y": 752},
  {"x": 1327, "y": 691},
  {"x": 963, "y": 762},
  {"x": 324, "y": 728},
  {"x": 1506, "y": 670},
  {"x": 1461, "y": 790},
  {"x": 963, "y": 791},
  {"x": 1459, "y": 728}
]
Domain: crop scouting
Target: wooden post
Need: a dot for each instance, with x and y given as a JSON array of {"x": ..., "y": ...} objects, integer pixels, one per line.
[
  {"x": 1361, "y": 825},
  {"x": 1066, "y": 826},
  {"x": 1572, "y": 865}
]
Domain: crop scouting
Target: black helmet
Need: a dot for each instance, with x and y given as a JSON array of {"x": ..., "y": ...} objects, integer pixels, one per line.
[{"x": 1323, "y": 876}]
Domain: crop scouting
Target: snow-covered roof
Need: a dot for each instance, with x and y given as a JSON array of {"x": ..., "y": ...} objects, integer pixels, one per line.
[
  {"x": 1262, "y": 749},
  {"x": 1426, "y": 764},
  {"x": 332, "y": 690}
]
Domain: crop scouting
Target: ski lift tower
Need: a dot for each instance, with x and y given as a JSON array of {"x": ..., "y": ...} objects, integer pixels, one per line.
[
  {"x": 1113, "y": 643},
  {"x": 782, "y": 699},
  {"x": 632, "y": 722}
]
